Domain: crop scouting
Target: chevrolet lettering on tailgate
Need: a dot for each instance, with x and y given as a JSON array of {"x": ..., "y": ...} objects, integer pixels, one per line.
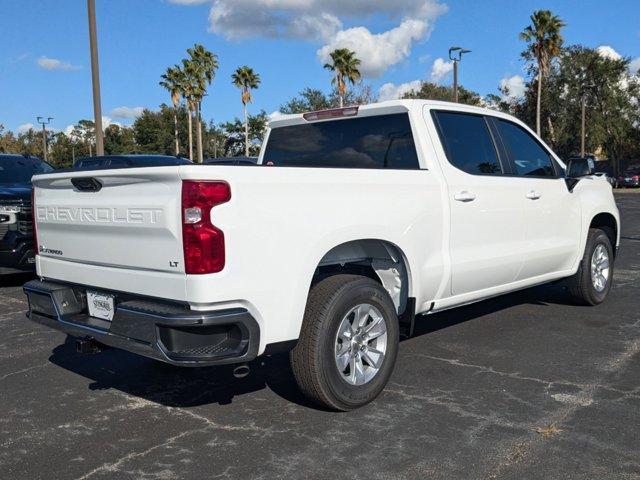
[{"x": 99, "y": 215}]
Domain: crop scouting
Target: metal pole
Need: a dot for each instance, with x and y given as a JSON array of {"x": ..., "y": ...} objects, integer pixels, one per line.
[
  {"x": 44, "y": 142},
  {"x": 455, "y": 81},
  {"x": 455, "y": 55},
  {"x": 95, "y": 77},
  {"x": 44, "y": 121},
  {"x": 584, "y": 107}
]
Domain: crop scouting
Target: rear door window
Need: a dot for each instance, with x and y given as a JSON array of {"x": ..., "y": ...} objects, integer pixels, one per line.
[
  {"x": 381, "y": 141},
  {"x": 528, "y": 157},
  {"x": 468, "y": 142}
]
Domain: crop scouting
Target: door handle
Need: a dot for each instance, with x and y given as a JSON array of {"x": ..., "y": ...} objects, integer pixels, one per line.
[
  {"x": 464, "y": 196},
  {"x": 533, "y": 195}
]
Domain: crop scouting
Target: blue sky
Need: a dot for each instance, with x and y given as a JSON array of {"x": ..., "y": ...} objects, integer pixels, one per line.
[{"x": 44, "y": 53}]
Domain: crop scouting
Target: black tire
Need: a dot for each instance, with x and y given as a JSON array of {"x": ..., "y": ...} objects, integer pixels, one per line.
[
  {"x": 580, "y": 285},
  {"x": 313, "y": 359}
]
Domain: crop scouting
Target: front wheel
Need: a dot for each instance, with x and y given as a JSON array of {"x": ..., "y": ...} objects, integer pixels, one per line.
[
  {"x": 348, "y": 343},
  {"x": 592, "y": 282}
]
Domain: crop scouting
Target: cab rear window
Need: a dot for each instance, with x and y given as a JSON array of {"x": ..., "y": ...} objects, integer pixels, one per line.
[{"x": 382, "y": 141}]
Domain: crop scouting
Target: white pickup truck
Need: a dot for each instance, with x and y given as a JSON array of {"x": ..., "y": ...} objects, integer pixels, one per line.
[{"x": 353, "y": 221}]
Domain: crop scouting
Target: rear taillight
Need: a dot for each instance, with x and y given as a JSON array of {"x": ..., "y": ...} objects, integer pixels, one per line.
[
  {"x": 33, "y": 219},
  {"x": 203, "y": 243},
  {"x": 635, "y": 178}
]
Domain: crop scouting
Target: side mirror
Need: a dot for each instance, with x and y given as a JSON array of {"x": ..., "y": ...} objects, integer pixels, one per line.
[{"x": 579, "y": 167}]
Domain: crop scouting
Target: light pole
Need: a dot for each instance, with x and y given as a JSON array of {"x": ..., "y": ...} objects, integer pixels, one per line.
[
  {"x": 455, "y": 55},
  {"x": 44, "y": 121},
  {"x": 95, "y": 76}
]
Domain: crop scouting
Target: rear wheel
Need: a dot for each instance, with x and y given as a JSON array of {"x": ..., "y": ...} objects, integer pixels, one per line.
[
  {"x": 592, "y": 282},
  {"x": 348, "y": 343}
]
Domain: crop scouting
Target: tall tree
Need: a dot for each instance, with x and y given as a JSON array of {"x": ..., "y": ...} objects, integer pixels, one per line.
[
  {"x": 245, "y": 79},
  {"x": 311, "y": 99},
  {"x": 432, "y": 91},
  {"x": 545, "y": 43},
  {"x": 611, "y": 96},
  {"x": 85, "y": 131},
  {"x": 234, "y": 144},
  {"x": 344, "y": 65},
  {"x": 200, "y": 69},
  {"x": 153, "y": 131},
  {"x": 173, "y": 81},
  {"x": 119, "y": 140}
]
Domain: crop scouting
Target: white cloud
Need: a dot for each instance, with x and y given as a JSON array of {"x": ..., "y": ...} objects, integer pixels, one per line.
[
  {"x": 55, "y": 64},
  {"x": 322, "y": 20},
  {"x": 608, "y": 52},
  {"x": 129, "y": 113},
  {"x": 377, "y": 52},
  {"x": 306, "y": 19},
  {"x": 323, "y": 26},
  {"x": 19, "y": 58},
  {"x": 25, "y": 127},
  {"x": 106, "y": 121},
  {"x": 440, "y": 70},
  {"x": 513, "y": 87},
  {"x": 391, "y": 91}
]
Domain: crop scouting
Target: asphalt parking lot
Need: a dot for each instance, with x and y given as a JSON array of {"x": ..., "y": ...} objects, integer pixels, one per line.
[{"x": 525, "y": 386}]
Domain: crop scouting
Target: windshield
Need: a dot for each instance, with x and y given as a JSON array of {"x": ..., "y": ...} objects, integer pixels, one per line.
[{"x": 21, "y": 169}]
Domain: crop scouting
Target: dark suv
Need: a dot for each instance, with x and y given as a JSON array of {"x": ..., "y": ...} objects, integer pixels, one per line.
[{"x": 16, "y": 223}]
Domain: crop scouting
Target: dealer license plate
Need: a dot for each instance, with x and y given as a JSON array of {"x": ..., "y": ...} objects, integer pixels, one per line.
[{"x": 101, "y": 305}]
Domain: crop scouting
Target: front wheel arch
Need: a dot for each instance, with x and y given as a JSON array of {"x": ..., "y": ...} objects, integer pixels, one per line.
[{"x": 607, "y": 223}]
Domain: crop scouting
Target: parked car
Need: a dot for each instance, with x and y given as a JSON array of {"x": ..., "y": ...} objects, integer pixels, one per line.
[
  {"x": 16, "y": 225},
  {"x": 366, "y": 217},
  {"x": 128, "y": 161},
  {"x": 231, "y": 161},
  {"x": 630, "y": 178}
]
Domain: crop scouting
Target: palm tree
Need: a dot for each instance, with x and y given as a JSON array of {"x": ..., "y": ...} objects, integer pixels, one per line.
[
  {"x": 200, "y": 67},
  {"x": 189, "y": 92},
  {"x": 545, "y": 43},
  {"x": 245, "y": 79},
  {"x": 345, "y": 66},
  {"x": 173, "y": 81}
]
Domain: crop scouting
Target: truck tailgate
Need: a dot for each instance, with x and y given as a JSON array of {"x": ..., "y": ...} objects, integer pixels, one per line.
[{"x": 131, "y": 219}]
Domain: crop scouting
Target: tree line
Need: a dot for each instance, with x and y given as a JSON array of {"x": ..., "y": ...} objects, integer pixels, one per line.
[{"x": 564, "y": 84}]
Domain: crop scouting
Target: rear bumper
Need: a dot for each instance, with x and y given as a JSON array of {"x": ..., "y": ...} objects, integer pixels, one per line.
[{"x": 169, "y": 332}]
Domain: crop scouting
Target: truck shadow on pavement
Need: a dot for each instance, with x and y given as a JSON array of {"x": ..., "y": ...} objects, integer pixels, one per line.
[
  {"x": 15, "y": 279},
  {"x": 180, "y": 387}
]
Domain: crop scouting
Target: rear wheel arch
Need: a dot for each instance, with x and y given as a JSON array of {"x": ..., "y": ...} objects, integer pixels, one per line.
[{"x": 380, "y": 260}]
